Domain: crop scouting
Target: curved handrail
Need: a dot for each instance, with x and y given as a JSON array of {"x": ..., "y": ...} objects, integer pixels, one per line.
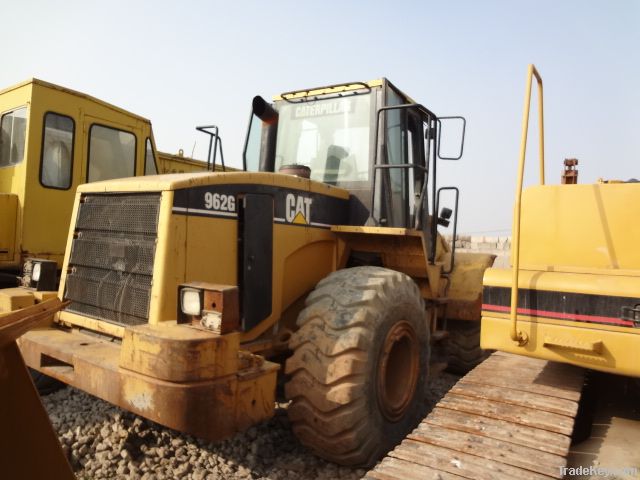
[{"x": 517, "y": 336}]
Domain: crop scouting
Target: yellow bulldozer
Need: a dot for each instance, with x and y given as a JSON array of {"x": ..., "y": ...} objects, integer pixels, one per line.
[
  {"x": 185, "y": 289},
  {"x": 570, "y": 303},
  {"x": 573, "y": 294},
  {"x": 52, "y": 140}
]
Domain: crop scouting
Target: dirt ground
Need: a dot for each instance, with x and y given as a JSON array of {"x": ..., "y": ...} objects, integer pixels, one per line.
[{"x": 613, "y": 449}]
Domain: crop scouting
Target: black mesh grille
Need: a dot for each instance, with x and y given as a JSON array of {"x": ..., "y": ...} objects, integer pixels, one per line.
[{"x": 111, "y": 264}]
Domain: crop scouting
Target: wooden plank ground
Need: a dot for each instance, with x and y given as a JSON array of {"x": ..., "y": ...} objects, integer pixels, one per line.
[
  {"x": 537, "y": 401},
  {"x": 510, "y": 417},
  {"x": 542, "y": 440},
  {"x": 461, "y": 464},
  {"x": 546, "y": 378},
  {"x": 510, "y": 413}
]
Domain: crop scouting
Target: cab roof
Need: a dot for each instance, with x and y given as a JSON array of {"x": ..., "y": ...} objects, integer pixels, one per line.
[
  {"x": 336, "y": 89},
  {"x": 69, "y": 91}
]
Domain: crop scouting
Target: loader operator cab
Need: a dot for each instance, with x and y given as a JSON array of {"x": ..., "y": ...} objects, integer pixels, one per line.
[{"x": 367, "y": 138}]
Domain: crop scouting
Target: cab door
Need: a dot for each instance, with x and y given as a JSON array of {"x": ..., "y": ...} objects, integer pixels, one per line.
[
  {"x": 55, "y": 138},
  {"x": 403, "y": 178}
]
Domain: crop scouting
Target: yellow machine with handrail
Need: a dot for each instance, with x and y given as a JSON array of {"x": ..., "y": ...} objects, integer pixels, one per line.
[
  {"x": 573, "y": 293},
  {"x": 570, "y": 302}
]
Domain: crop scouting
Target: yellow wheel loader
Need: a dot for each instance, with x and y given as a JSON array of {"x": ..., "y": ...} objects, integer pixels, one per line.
[{"x": 184, "y": 287}]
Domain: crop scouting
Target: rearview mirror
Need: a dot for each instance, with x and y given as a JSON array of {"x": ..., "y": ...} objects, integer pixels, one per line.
[
  {"x": 451, "y": 143},
  {"x": 445, "y": 216}
]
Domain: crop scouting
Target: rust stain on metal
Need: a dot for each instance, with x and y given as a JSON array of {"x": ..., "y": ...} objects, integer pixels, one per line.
[{"x": 212, "y": 392}]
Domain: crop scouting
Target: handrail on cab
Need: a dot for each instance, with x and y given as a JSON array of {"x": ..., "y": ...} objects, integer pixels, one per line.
[{"x": 521, "y": 337}]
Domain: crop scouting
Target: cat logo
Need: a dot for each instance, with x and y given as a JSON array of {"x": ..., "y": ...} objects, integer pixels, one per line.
[{"x": 298, "y": 209}]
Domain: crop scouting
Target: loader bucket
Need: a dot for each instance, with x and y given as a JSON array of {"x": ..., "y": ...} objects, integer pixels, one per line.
[{"x": 29, "y": 448}]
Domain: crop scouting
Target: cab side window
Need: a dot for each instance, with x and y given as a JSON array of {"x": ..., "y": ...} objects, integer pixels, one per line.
[
  {"x": 150, "y": 159},
  {"x": 253, "y": 145},
  {"x": 57, "y": 151},
  {"x": 13, "y": 131},
  {"x": 112, "y": 153}
]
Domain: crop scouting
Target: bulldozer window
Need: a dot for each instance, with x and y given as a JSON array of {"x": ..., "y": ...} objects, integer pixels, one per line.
[
  {"x": 112, "y": 153},
  {"x": 332, "y": 137},
  {"x": 57, "y": 151},
  {"x": 150, "y": 160},
  {"x": 13, "y": 128}
]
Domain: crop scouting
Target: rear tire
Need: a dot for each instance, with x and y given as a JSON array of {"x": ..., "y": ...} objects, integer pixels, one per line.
[
  {"x": 583, "y": 423},
  {"x": 358, "y": 374},
  {"x": 463, "y": 346},
  {"x": 44, "y": 383}
]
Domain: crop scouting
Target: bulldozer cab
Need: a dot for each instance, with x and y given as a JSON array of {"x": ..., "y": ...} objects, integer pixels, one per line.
[
  {"x": 368, "y": 138},
  {"x": 53, "y": 139}
]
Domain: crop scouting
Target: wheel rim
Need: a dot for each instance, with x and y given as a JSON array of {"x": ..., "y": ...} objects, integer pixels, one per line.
[{"x": 398, "y": 370}]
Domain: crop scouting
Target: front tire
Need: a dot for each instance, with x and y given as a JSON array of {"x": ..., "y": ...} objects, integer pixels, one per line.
[{"x": 359, "y": 367}]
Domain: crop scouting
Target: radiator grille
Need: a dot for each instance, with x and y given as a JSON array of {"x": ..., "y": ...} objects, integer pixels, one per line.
[{"x": 111, "y": 264}]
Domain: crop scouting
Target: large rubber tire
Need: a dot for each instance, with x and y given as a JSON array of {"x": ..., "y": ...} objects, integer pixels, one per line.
[
  {"x": 463, "y": 346},
  {"x": 595, "y": 383},
  {"x": 358, "y": 373}
]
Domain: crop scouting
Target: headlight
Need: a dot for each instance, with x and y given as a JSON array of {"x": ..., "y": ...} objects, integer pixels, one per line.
[
  {"x": 35, "y": 274},
  {"x": 210, "y": 306},
  {"x": 40, "y": 274},
  {"x": 191, "y": 301}
]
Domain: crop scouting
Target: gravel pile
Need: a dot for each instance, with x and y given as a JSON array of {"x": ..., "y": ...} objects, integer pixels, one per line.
[{"x": 105, "y": 442}]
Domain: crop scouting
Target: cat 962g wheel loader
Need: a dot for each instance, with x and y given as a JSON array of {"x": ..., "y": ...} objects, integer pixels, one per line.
[{"x": 326, "y": 248}]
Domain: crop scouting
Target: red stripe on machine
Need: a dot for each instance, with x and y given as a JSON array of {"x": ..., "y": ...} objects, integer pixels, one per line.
[{"x": 560, "y": 315}]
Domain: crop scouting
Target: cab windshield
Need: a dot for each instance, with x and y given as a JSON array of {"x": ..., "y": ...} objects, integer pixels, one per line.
[{"x": 331, "y": 137}]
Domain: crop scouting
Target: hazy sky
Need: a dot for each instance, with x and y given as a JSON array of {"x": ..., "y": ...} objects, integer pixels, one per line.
[{"x": 183, "y": 64}]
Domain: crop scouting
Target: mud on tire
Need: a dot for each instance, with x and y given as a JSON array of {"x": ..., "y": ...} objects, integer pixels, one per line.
[{"x": 358, "y": 373}]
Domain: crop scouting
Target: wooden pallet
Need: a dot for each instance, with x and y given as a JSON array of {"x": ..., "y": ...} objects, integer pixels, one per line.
[{"x": 510, "y": 417}]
